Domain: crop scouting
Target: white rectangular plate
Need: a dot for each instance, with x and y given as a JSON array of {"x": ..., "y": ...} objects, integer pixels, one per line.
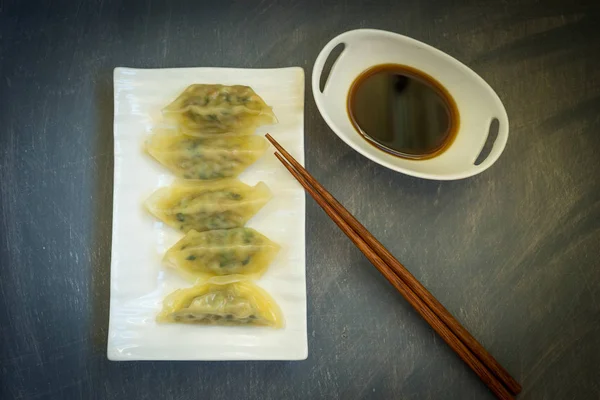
[{"x": 138, "y": 280}]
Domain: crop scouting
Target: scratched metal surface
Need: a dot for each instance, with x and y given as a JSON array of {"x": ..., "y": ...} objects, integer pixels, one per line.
[{"x": 512, "y": 252}]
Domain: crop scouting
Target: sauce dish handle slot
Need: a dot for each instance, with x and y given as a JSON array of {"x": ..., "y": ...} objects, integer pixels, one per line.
[
  {"x": 325, "y": 64},
  {"x": 492, "y": 148}
]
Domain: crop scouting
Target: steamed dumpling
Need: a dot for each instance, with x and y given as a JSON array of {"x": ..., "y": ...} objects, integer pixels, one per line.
[
  {"x": 222, "y": 252},
  {"x": 203, "y": 206},
  {"x": 206, "y": 158},
  {"x": 230, "y": 300},
  {"x": 204, "y": 110}
]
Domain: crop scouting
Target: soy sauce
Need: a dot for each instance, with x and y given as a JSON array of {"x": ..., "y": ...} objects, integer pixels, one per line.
[{"x": 403, "y": 111}]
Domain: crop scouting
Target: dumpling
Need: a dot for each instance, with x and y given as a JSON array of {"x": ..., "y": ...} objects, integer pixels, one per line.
[
  {"x": 206, "y": 158},
  {"x": 203, "y": 110},
  {"x": 230, "y": 300},
  {"x": 204, "y": 206},
  {"x": 221, "y": 252}
]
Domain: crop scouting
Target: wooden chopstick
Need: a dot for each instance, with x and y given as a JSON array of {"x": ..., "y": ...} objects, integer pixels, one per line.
[
  {"x": 370, "y": 246},
  {"x": 436, "y": 323},
  {"x": 416, "y": 286}
]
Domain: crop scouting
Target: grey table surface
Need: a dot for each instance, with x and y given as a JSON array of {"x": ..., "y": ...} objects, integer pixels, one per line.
[{"x": 513, "y": 252}]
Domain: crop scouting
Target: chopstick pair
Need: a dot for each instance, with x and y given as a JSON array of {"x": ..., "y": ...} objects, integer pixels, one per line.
[{"x": 452, "y": 332}]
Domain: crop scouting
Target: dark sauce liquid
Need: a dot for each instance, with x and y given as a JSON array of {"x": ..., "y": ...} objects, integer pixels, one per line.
[{"x": 403, "y": 111}]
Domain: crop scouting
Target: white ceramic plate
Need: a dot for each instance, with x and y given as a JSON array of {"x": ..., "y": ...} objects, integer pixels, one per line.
[{"x": 138, "y": 280}]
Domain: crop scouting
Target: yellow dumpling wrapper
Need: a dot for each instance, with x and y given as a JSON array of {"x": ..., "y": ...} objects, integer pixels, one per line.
[
  {"x": 200, "y": 255},
  {"x": 204, "y": 206},
  {"x": 228, "y": 300},
  {"x": 205, "y": 110},
  {"x": 205, "y": 158}
]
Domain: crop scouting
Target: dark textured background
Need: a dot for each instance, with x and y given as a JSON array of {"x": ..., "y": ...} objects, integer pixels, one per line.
[{"x": 513, "y": 252}]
